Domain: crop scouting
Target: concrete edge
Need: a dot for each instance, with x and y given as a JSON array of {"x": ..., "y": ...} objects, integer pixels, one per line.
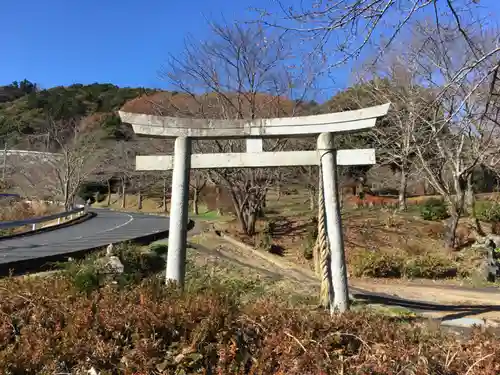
[{"x": 78, "y": 220}]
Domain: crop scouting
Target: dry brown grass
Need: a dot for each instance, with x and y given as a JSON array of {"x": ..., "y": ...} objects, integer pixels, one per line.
[
  {"x": 11, "y": 210},
  {"x": 15, "y": 210},
  {"x": 47, "y": 327}
]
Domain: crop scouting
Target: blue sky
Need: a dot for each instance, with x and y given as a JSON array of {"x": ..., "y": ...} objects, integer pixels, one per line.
[{"x": 60, "y": 42}]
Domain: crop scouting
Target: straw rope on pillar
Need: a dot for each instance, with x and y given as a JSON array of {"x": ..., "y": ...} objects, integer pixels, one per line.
[
  {"x": 322, "y": 251},
  {"x": 320, "y": 230}
]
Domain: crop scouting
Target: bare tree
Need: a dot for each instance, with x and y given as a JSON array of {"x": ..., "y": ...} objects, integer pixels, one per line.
[
  {"x": 398, "y": 134},
  {"x": 123, "y": 166},
  {"x": 242, "y": 72},
  {"x": 197, "y": 184},
  {"x": 342, "y": 31},
  {"x": 77, "y": 156},
  {"x": 464, "y": 122},
  {"x": 166, "y": 182}
]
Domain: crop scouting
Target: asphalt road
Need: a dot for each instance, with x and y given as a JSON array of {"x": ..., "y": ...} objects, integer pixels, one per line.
[{"x": 105, "y": 228}]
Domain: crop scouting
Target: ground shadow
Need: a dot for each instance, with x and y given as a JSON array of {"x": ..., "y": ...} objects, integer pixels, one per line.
[{"x": 455, "y": 311}]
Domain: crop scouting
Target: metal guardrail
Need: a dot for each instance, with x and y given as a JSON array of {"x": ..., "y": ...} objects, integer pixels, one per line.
[
  {"x": 61, "y": 216},
  {"x": 9, "y": 195},
  {"x": 29, "y": 153}
]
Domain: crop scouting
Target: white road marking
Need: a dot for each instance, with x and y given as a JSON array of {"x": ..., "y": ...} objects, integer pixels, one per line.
[{"x": 119, "y": 226}]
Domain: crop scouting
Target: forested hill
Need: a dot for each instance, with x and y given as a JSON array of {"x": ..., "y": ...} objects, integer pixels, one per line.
[{"x": 25, "y": 110}]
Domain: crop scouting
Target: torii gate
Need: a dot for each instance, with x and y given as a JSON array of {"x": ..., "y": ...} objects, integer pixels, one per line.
[{"x": 323, "y": 126}]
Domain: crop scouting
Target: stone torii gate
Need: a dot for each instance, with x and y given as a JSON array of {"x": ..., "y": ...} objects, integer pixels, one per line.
[{"x": 253, "y": 131}]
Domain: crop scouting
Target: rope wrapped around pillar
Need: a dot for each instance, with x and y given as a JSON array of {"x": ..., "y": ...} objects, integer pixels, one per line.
[{"x": 322, "y": 251}]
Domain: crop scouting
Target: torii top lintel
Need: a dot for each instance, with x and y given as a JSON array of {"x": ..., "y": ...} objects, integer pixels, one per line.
[{"x": 172, "y": 127}]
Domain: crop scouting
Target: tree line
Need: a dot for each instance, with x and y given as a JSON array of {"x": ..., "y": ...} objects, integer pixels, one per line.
[{"x": 439, "y": 73}]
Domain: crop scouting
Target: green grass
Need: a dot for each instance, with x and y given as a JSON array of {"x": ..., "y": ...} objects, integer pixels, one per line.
[{"x": 207, "y": 215}]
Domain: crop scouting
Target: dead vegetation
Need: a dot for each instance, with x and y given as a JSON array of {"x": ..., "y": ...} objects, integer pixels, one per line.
[
  {"x": 11, "y": 210},
  {"x": 219, "y": 325},
  {"x": 15, "y": 210}
]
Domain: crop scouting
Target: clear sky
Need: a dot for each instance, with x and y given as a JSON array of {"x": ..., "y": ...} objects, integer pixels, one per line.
[{"x": 60, "y": 42}]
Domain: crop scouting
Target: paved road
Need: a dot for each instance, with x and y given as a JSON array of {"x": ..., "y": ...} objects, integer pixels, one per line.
[{"x": 107, "y": 227}]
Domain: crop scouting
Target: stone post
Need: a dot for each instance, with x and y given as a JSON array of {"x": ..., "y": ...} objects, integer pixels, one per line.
[
  {"x": 338, "y": 269},
  {"x": 177, "y": 234}
]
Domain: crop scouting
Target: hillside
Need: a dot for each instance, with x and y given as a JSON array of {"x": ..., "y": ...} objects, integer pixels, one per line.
[{"x": 25, "y": 110}]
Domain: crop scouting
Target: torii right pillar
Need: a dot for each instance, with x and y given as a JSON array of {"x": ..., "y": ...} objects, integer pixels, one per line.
[{"x": 338, "y": 271}]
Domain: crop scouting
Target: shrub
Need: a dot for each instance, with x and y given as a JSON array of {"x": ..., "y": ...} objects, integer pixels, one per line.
[
  {"x": 88, "y": 196},
  {"x": 137, "y": 263},
  {"x": 308, "y": 251},
  {"x": 159, "y": 248},
  {"x": 265, "y": 238},
  {"x": 434, "y": 210},
  {"x": 270, "y": 227},
  {"x": 100, "y": 197},
  {"x": 86, "y": 279},
  {"x": 311, "y": 237},
  {"x": 488, "y": 211},
  {"x": 377, "y": 264},
  {"x": 86, "y": 276},
  {"x": 83, "y": 275},
  {"x": 429, "y": 266},
  {"x": 385, "y": 264}
]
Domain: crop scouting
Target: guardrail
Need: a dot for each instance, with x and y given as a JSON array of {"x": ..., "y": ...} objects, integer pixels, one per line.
[
  {"x": 9, "y": 195},
  {"x": 61, "y": 216}
]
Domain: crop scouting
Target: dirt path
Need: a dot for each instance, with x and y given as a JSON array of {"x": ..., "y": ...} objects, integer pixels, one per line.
[{"x": 430, "y": 300}]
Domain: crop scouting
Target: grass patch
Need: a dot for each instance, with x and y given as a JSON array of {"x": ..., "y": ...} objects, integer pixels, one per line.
[
  {"x": 88, "y": 275},
  {"x": 217, "y": 325},
  {"x": 208, "y": 215}
]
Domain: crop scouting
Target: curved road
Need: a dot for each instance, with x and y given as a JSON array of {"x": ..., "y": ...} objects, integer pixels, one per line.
[{"x": 105, "y": 228}]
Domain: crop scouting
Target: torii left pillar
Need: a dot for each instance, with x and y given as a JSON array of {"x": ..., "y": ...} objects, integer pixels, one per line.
[{"x": 177, "y": 232}]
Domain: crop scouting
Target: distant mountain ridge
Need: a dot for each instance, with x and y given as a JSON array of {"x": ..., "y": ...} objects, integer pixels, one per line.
[{"x": 25, "y": 109}]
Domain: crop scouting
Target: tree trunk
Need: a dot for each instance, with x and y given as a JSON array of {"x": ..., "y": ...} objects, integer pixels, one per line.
[
  {"x": 240, "y": 213},
  {"x": 109, "y": 193},
  {"x": 67, "y": 203},
  {"x": 165, "y": 208},
  {"x": 470, "y": 200},
  {"x": 124, "y": 193},
  {"x": 312, "y": 199},
  {"x": 251, "y": 218},
  {"x": 242, "y": 220},
  {"x": 195, "y": 201},
  {"x": 278, "y": 191},
  {"x": 139, "y": 199},
  {"x": 217, "y": 200},
  {"x": 452, "y": 225},
  {"x": 403, "y": 185},
  {"x": 469, "y": 197},
  {"x": 139, "y": 193}
]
